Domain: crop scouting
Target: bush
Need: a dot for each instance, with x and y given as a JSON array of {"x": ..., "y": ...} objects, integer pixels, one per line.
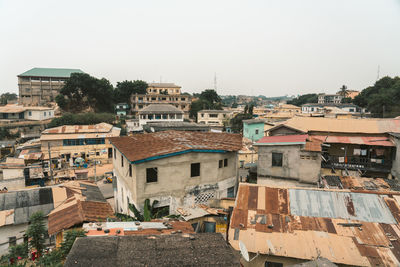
[
  {"x": 69, "y": 239},
  {"x": 82, "y": 119}
]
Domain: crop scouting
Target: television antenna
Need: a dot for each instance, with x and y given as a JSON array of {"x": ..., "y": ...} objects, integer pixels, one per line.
[
  {"x": 245, "y": 252},
  {"x": 215, "y": 81}
]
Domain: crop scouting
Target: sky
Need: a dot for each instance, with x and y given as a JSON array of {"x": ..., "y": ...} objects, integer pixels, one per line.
[{"x": 255, "y": 47}]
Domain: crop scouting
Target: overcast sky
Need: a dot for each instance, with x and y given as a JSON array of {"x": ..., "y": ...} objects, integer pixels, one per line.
[{"x": 255, "y": 47}]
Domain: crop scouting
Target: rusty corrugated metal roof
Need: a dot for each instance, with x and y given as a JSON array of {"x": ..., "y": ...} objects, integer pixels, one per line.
[
  {"x": 358, "y": 140},
  {"x": 343, "y": 226}
]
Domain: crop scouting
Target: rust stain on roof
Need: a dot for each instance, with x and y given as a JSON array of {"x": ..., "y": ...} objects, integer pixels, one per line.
[{"x": 271, "y": 227}]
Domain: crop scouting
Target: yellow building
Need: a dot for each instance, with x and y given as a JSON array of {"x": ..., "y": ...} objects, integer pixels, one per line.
[{"x": 72, "y": 141}]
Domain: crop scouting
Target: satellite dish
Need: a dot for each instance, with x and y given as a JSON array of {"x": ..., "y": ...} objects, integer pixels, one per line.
[{"x": 243, "y": 251}]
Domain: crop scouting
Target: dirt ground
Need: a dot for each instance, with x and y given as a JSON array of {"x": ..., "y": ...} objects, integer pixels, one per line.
[{"x": 100, "y": 170}]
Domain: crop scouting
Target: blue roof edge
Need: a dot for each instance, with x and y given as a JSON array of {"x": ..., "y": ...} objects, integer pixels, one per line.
[{"x": 178, "y": 153}]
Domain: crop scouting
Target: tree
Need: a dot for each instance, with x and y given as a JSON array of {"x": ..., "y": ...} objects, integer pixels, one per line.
[
  {"x": 208, "y": 99},
  {"x": 343, "y": 91},
  {"x": 4, "y": 98},
  {"x": 69, "y": 239},
  {"x": 82, "y": 119},
  {"x": 382, "y": 98},
  {"x": 149, "y": 211},
  {"x": 304, "y": 99},
  {"x": 237, "y": 121},
  {"x": 125, "y": 89},
  {"x": 83, "y": 92},
  {"x": 36, "y": 232}
]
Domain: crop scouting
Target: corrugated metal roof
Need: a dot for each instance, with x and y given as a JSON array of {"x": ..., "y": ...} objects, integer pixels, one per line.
[
  {"x": 358, "y": 140},
  {"x": 343, "y": 205},
  {"x": 282, "y": 139},
  {"x": 341, "y": 225},
  {"x": 50, "y": 72}
]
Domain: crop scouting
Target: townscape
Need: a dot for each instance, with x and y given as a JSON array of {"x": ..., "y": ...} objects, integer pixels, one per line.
[{"x": 199, "y": 133}]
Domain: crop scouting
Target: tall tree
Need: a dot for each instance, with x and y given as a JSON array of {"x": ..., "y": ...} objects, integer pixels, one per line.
[
  {"x": 343, "y": 91},
  {"x": 304, "y": 99},
  {"x": 6, "y": 97},
  {"x": 382, "y": 99},
  {"x": 36, "y": 232},
  {"x": 125, "y": 89},
  {"x": 208, "y": 99},
  {"x": 83, "y": 92}
]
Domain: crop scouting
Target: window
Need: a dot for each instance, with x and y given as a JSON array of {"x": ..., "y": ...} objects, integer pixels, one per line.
[
  {"x": 30, "y": 113},
  {"x": 115, "y": 153},
  {"x": 44, "y": 113},
  {"x": 220, "y": 163},
  {"x": 151, "y": 175},
  {"x": 213, "y": 115},
  {"x": 277, "y": 159},
  {"x": 165, "y": 116},
  {"x": 178, "y": 116},
  {"x": 231, "y": 192},
  {"x": 97, "y": 153},
  {"x": 12, "y": 241},
  {"x": 122, "y": 161},
  {"x": 194, "y": 169},
  {"x": 273, "y": 264},
  {"x": 256, "y": 131},
  {"x": 225, "y": 162},
  {"x": 130, "y": 170}
]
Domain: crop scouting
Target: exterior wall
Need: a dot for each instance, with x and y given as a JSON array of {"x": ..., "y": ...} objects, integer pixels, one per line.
[
  {"x": 13, "y": 184},
  {"x": 299, "y": 165},
  {"x": 247, "y": 157},
  {"x": 138, "y": 102},
  {"x": 158, "y": 90},
  {"x": 8, "y": 231},
  {"x": 396, "y": 161},
  {"x": 76, "y": 151},
  {"x": 174, "y": 187},
  {"x": 282, "y": 131},
  {"x": 205, "y": 118},
  {"x": 144, "y": 118},
  {"x": 39, "y": 115},
  {"x": 323, "y": 99},
  {"x": 11, "y": 116},
  {"x": 133, "y": 125},
  {"x": 13, "y": 173},
  {"x": 36, "y": 91},
  {"x": 253, "y": 131}
]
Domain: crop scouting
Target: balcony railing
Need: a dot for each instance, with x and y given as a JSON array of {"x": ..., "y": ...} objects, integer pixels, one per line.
[{"x": 357, "y": 163}]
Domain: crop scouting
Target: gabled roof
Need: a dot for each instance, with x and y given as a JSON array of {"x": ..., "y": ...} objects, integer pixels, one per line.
[
  {"x": 144, "y": 147},
  {"x": 206, "y": 249},
  {"x": 50, "y": 72},
  {"x": 160, "y": 109},
  {"x": 214, "y": 111},
  {"x": 343, "y": 226}
]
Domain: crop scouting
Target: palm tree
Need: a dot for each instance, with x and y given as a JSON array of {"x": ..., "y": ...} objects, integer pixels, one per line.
[{"x": 343, "y": 91}]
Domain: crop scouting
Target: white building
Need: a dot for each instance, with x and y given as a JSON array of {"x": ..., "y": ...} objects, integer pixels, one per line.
[
  {"x": 157, "y": 113},
  {"x": 213, "y": 117},
  {"x": 14, "y": 112}
]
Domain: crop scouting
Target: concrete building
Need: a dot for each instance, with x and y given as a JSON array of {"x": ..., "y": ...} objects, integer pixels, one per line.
[
  {"x": 254, "y": 129},
  {"x": 153, "y": 126},
  {"x": 12, "y": 174},
  {"x": 332, "y": 98},
  {"x": 288, "y": 226},
  {"x": 40, "y": 86},
  {"x": 72, "y": 141},
  {"x": 161, "y": 93},
  {"x": 159, "y": 113},
  {"x": 121, "y": 109},
  {"x": 292, "y": 158},
  {"x": 213, "y": 117},
  {"x": 14, "y": 112},
  {"x": 176, "y": 168},
  {"x": 325, "y": 109}
]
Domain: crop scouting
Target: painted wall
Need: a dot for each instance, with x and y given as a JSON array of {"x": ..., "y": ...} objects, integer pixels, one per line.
[
  {"x": 300, "y": 165},
  {"x": 39, "y": 115},
  {"x": 174, "y": 186},
  {"x": 396, "y": 161},
  {"x": 254, "y": 131}
]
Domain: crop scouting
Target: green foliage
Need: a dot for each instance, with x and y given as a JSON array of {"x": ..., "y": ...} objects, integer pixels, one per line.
[
  {"x": 382, "y": 99},
  {"x": 5, "y": 134},
  {"x": 149, "y": 211},
  {"x": 304, "y": 99},
  {"x": 237, "y": 121},
  {"x": 82, "y": 92},
  {"x": 208, "y": 99},
  {"x": 343, "y": 91},
  {"x": 69, "y": 239},
  {"x": 51, "y": 259},
  {"x": 6, "y": 97},
  {"x": 124, "y": 218},
  {"x": 125, "y": 89},
  {"x": 36, "y": 231},
  {"x": 82, "y": 119}
]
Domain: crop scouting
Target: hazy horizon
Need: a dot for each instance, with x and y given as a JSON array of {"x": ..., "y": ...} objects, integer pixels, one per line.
[{"x": 270, "y": 48}]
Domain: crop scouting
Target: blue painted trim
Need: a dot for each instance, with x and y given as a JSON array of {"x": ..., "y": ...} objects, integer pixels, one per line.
[{"x": 178, "y": 153}]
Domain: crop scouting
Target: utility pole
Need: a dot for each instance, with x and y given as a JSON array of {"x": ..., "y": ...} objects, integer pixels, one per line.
[
  {"x": 51, "y": 170},
  {"x": 95, "y": 177}
]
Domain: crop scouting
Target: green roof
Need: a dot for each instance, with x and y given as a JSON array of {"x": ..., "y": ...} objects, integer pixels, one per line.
[{"x": 50, "y": 72}]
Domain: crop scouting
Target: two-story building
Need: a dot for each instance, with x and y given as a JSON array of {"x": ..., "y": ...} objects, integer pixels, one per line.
[
  {"x": 176, "y": 168},
  {"x": 161, "y": 93},
  {"x": 254, "y": 129},
  {"x": 40, "y": 86},
  {"x": 326, "y": 109},
  {"x": 329, "y": 98},
  {"x": 88, "y": 142},
  {"x": 213, "y": 117}
]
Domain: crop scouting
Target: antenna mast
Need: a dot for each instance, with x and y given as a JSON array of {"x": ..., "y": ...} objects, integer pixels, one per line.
[
  {"x": 379, "y": 69},
  {"x": 215, "y": 82}
]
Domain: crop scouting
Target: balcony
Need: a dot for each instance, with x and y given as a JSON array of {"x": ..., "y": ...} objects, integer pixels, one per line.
[{"x": 357, "y": 163}]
